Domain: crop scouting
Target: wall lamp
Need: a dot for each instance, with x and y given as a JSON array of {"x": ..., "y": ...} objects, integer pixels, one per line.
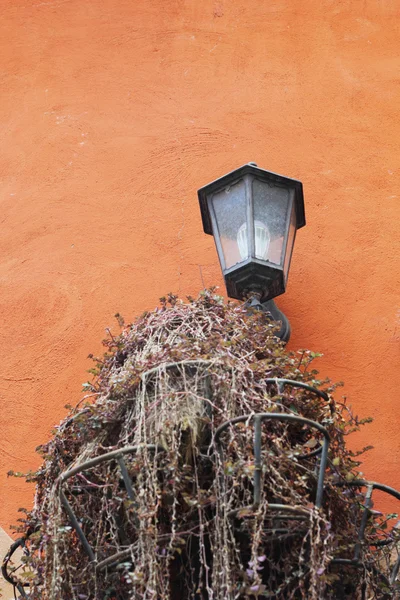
[{"x": 254, "y": 215}]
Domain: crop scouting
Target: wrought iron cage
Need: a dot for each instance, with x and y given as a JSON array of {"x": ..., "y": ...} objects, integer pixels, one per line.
[{"x": 282, "y": 512}]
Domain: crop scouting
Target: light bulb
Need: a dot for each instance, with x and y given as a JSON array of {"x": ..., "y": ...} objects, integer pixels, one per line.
[{"x": 261, "y": 238}]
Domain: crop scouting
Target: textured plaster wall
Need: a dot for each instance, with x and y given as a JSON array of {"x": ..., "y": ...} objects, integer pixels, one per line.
[{"x": 114, "y": 112}]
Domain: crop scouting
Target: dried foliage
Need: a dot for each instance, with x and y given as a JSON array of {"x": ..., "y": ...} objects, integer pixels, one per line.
[{"x": 190, "y": 531}]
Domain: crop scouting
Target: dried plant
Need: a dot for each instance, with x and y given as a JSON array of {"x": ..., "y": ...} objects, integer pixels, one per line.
[{"x": 190, "y": 530}]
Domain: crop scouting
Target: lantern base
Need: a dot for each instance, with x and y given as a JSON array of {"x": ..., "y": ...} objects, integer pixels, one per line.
[{"x": 253, "y": 275}]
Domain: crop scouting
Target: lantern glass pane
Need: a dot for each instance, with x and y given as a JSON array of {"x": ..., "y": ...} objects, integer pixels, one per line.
[
  {"x": 229, "y": 207},
  {"x": 271, "y": 204},
  {"x": 290, "y": 241}
]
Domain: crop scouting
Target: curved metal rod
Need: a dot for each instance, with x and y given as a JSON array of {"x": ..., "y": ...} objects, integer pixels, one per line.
[
  {"x": 4, "y": 567},
  {"x": 299, "y": 511},
  {"x": 375, "y": 486},
  {"x": 364, "y": 483},
  {"x": 346, "y": 561},
  {"x": 258, "y": 418},
  {"x": 298, "y": 384},
  {"x": 272, "y": 416},
  {"x": 174, "y": 365},
  {"x": 280, "y": 384},
  {"x": 370, "y": 485},
  {"x": 114, "y": 455},
  {"x": 114, "y": 559}
]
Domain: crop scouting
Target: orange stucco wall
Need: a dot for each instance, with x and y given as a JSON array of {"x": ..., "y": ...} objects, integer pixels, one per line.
[{"x": 114, "y": 112}]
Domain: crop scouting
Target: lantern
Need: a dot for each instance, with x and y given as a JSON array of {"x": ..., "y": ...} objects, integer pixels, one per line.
[{"x": 253, "y": 215}]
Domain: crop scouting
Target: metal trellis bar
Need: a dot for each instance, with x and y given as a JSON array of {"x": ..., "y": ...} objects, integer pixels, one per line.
[
  {"x": 258, "y": 419},
  {"x": 371, "y": 486},
  {"x": 285, "y": 511},
  {"x": 18, "y": 585},
  {"x": 114, "y": 455}
]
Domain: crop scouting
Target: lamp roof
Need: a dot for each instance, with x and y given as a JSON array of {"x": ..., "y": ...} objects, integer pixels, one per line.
[{"x": 263, "y": 175}]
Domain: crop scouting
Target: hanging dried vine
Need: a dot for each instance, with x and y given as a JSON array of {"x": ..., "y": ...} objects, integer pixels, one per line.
[{"x": 191, "y": 531}]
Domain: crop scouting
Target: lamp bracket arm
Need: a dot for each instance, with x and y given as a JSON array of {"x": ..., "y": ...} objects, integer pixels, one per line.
[{"x": 274, "y": 313}]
